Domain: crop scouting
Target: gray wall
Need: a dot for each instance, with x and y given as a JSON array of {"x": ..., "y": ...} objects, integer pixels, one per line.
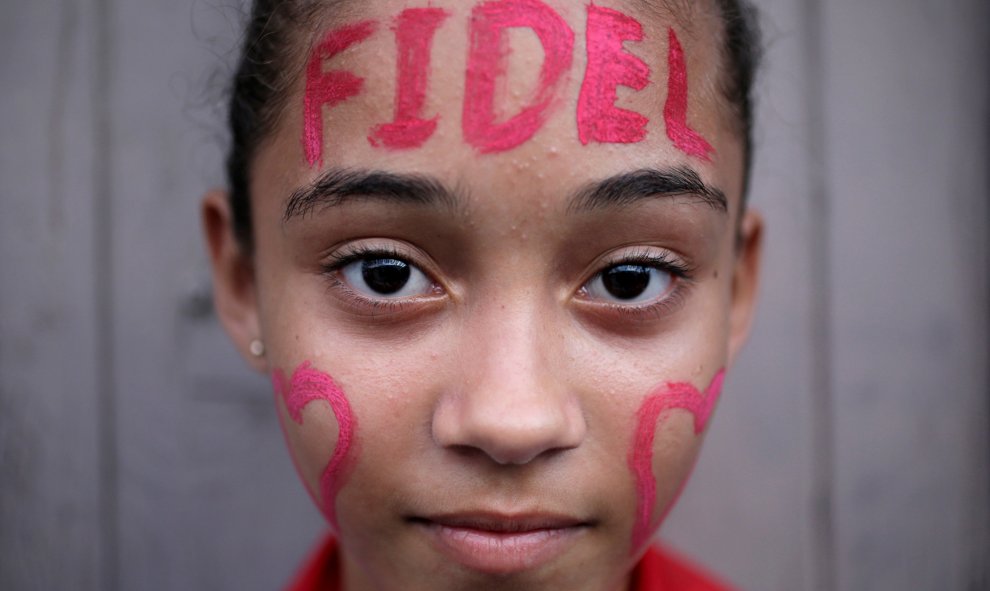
[{"x": 851, "y": 449}]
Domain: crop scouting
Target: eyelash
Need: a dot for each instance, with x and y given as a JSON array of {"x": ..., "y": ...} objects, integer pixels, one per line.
[
  {"x": 682, "y": 278},
  {"x": 338, "y": 260},
  {"x": 682, "y": 274}
]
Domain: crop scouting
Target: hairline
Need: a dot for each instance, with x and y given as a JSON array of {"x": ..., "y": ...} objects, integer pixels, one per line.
[{"x": 318, "y": 15}]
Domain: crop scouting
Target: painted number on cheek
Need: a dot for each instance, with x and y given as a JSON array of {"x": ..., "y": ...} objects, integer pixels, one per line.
[
  {"x": 310, "y": 385},
  {"x": 671, "y": 396},
  {"x": 598, "y": 119}
]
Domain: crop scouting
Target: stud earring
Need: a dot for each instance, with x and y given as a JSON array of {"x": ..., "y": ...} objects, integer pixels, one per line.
[{"x": 257, "y": 348}]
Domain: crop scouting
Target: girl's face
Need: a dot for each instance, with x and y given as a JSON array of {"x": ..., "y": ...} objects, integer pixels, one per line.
[{"x": 493, "y": 362}]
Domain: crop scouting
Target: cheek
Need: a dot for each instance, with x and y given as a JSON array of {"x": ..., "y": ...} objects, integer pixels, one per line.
[
  {"x": 323, "y": 441},
  {"x": 675, "y": 450},
  {"x": 664, "y": 447}
]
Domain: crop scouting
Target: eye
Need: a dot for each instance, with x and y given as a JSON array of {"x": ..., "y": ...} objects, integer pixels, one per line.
[
  {"x": 630, "y": 283},
  {"x": 385, "y": 277}
]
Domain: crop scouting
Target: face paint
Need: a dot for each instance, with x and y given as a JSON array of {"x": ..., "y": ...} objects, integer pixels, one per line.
[
  {"x": 686, "y": 139},
  {"x": 309, "y": 385},
  {"x": 674, "y": 395},
  {"x": 610, "y": 66},
  {"x": 414, "y": 31},
  {"x": 486, "y": 64},
  {"x": 328, "y": 88}
]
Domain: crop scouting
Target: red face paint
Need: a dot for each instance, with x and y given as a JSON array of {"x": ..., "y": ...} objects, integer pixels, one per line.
[
  {"x": 610, "y": 66},
  {"x": 674, "y": 395},
  {"x": 414, "y": 30},
  {"x": 328, "y": 88},
  {"x": 309, "y": 385},
  {"x": 686, "y": 139},
  {"x": 486, "y": 64}
]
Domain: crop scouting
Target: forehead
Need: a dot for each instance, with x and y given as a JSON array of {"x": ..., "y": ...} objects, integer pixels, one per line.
[{"x": 421, "y": 62}]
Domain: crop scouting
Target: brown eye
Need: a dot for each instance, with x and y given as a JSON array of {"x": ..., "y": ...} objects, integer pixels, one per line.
[
  {"x": 385, "y": 277},
  {"x": 629, "y": 284},
  {"x": 626, "y": 282}
]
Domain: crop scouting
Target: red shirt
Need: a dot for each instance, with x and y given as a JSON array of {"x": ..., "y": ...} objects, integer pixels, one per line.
[{"x": 659, "y": 570}]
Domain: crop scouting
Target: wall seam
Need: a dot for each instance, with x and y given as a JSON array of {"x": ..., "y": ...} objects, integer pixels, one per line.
[
  {"x": 103, "y": 226},
  {"x": 823, "y": 575},
  {"x": 980, "y": 566}
]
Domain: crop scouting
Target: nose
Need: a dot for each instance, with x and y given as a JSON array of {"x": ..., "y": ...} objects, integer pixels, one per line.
[{"x": 512, "y": 401}]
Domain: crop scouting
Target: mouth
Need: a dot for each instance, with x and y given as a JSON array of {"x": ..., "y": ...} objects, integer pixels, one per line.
[{"x": 501, "y": 544}]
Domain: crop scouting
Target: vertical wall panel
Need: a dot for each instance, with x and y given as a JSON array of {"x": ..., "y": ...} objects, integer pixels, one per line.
[
  {"x": 113, "y": 372},
  {"x": 50, "y": 508},
  {"x": 907, "y": 160},
  {"x": 747, "y": 511},
  {"x": 208, "y": 498}
]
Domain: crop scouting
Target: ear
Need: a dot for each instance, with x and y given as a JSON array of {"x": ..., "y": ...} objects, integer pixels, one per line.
[
  {"x": 234, "y": 286},
  {"x": 745, "y": 280}
]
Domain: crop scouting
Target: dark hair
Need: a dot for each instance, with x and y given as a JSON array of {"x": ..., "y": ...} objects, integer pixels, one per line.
[
  {"x": 266, "y": 70},
  {"x": 741, "y": 53},
  {"x": 256, "y": 95}
]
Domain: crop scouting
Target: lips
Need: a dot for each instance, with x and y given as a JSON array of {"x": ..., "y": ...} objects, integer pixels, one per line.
[{"x": 496, "y": 543}]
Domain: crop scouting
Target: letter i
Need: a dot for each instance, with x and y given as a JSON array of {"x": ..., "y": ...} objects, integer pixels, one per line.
[{"x": 414, "y": 31}]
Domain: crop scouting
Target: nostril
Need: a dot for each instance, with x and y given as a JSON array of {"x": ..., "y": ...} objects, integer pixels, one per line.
[
  {"x": 520, "y": 456},
  {"x": 509, "y": 436},
  {"x": 501, "y": 456}
]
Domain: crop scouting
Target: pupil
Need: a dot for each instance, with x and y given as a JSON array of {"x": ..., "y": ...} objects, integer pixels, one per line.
[
  {"x": 626, "y": 281},
  {"x": 386, "y": 276}
]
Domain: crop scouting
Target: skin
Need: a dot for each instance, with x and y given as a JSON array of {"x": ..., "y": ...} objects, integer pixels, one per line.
[{"x": 506, "y": 386}]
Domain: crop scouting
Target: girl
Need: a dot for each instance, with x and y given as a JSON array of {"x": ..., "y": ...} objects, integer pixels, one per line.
[{"x": 496, "y": 257}]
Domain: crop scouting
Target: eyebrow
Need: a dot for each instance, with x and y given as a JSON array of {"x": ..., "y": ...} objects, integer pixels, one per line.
[
  {"x": 338, "y": 186},
  {"x": 633, "y": 187}
]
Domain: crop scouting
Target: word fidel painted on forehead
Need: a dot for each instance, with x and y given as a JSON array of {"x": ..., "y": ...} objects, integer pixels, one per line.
[{"x": 598, "y": 118}]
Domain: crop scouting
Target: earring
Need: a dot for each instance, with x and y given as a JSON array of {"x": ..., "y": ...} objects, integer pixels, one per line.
[{"x": 257, "y": 348}]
